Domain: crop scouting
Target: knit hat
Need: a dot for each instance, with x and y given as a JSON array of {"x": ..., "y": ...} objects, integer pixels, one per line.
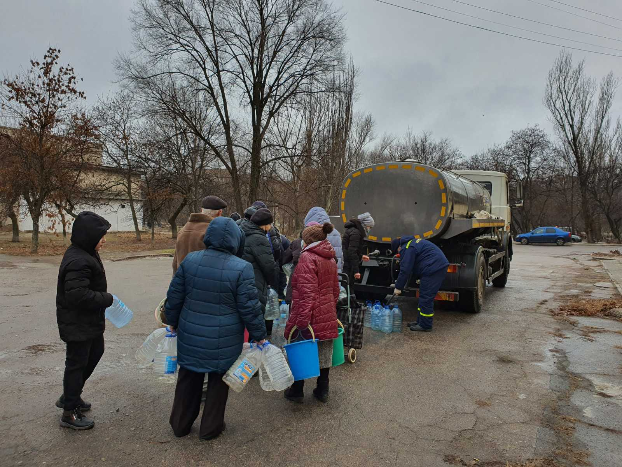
[
  {"x": 366, "y": 220},
  {"x": 249, "y": 212},
  {"x": 262, "y": 217},
  {"x": 316, "y": 233},
  {"x": 213, "y": 202},
  {"x": 260, "y": 205},
  {"x": 312, "y": 223}
]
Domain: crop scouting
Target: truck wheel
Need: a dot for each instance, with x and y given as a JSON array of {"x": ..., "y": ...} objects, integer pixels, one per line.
[
  {"x": 503, "y": 278},
  {"x": 560, "y": 242},
  {"x": 473, "y": 300},
  {"x": 524, "y": 241}
]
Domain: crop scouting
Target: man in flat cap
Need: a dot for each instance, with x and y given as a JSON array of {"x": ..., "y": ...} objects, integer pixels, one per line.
[{"x": 190, "y": 237}]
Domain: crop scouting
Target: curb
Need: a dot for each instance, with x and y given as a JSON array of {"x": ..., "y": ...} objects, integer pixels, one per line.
[
  {"x": 128, "y": 258},
  {"x": 617, "y": 285}
]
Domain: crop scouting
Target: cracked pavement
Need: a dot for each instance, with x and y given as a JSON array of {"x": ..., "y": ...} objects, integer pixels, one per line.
[{"x": 509, "y": 384}]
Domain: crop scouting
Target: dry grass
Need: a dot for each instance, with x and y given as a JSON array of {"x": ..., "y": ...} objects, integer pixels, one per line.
[
  {"x": 612, "y": 253},
  {"x": 116, "y": 242},
  {"x": 600, "y": 308},
  {"x": 456, "y": 460}
]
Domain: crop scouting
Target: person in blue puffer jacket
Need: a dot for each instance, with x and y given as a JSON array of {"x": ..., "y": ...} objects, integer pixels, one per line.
[
  {"x": 319, "y": 215},
  {"x": 210, "y": 301},
  {"x": 424, "y": 260}
]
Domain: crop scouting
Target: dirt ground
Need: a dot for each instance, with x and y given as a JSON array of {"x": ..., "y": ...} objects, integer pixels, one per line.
[
  {"x": 51, "y": 244},
  {"x": 512, "y": 386}
]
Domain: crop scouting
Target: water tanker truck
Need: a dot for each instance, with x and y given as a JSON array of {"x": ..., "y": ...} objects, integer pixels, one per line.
[{"x": 465, "y": 213}]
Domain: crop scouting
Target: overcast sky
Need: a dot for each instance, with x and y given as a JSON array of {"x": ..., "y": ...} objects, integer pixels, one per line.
[{"x": 416, "y": 72}]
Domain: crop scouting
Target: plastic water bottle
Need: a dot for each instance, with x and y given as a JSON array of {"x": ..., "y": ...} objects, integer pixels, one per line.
[
  {"x": 375, "y": 316},
  {"x": 386, "y": 325},
  {"x": 397, "y": 319},
  {"x": 243, "y": 369},
  {"x": 284, "y": 310},
  {"x": 278, "y": 330},
  {"x": 368, "y": 312},
  {"x": 165, "y": 360},
  {"x": 342, "y": 292},
  {"x": 272, "y": 305},
  {"x": 147, "y": 351},
  {"x": 118, "y": 313},
  {"x": 274, "y": 372}
]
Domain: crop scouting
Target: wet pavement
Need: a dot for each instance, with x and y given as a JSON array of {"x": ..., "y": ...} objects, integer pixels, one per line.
[{"x": 509, "y": 384}]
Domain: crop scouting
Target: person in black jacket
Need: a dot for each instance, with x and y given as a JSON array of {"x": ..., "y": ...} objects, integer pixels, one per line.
[
  {"x": 258, "y": 252},
  {"x": 353, "y": 245},
  {"x": 81, "y": 300}
]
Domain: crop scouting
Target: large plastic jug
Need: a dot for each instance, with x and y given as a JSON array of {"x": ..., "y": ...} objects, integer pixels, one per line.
[
  {"x": 165, "y": 360},
  {"x": 342, "y": 292},
  {"x": 397, "y": 319},
  {"x": 386, "y": 324},
  {"x": 146, "y": 352},
  {"x": 118, "y": 313},
  {"x": 278, "y": 331},
  {"x": 284, "y": 310},
  {"x": 274, "y": 373},
  {"x": 375, "y": 316},
  {"x": 241, "y": 372},
  {"x": 368, "y": 311},
  {"x": 272, "y": 305}
]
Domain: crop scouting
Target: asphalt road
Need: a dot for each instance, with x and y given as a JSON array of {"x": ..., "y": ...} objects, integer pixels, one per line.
[{"x": 509, "y": 384}]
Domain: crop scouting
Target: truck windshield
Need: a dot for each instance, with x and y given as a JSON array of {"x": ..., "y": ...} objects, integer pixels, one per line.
[{"x": 488, "y": 186}]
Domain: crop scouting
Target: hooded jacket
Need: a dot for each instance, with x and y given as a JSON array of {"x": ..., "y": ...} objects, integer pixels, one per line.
[
  {"x": 319, "y": 215},
  {"x": 211, "y": 299},
  {"x": 190, "y": 237},
  {"x": 81, "y": 291},
  {"x": 353, "y": 245},
  {"x": 257, "y": 251},
  {"x": 315, "y": 291},
  {"x": 418, "y": 258}
]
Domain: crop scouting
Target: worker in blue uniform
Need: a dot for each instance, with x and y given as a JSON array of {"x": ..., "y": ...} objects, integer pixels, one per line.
[{"x": 422, "y": 259}]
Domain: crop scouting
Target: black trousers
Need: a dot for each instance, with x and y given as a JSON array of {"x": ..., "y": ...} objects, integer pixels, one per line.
[
  {"x": 322, "y": 382},
  {"x": 82, "y": 358},
  {"x": 187, "y": 403}
]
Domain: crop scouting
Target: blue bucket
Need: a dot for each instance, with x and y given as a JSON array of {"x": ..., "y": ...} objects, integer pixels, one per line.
[{"x": 303, "y": 357}]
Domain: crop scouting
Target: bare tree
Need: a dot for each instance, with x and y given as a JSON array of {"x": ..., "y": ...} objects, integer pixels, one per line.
[
  {"x": 580, "y": 111},
  {"x": 119, "y": 126},
  {"x": 530, "y": 154},
  {"x": 51, "y": 138},
  {"x": 248, "y": 58}
]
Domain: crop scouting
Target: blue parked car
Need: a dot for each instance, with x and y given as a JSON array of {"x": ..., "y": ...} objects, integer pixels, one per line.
[{"x": 545, "y": 235}]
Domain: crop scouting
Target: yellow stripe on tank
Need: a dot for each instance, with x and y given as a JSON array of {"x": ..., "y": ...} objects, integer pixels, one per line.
[
  {"x": 428, "y": 234},
  {"x": 438, "y": 224},
  {"x": 349, "y": 180},
  {"x": 440, "y": 184}
]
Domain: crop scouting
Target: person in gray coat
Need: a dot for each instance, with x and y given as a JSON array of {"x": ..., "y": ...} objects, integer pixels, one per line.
[{"x": 319, "y": 215}]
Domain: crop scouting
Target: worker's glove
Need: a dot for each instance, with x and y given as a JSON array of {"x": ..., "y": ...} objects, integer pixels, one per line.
[{"x": 397, "y": 292}]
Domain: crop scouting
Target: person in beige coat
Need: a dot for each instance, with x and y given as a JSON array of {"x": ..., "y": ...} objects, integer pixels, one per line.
[{"x": 190, "y": 237}]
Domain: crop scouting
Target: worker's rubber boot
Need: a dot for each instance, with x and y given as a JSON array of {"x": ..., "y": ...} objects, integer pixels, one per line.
[
  {"x": 84, "y": 406},
  {"x": 419, "y": 328},
  {"x": 75, "y": 420}
]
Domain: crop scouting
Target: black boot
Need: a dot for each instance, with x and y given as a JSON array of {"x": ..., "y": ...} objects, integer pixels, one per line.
[
  {"x": 84, "y": 406},
  {"x": 75, "y": 420},
  {"x": 420, "y": 329},
  {"x": 321, "y": 394},
  {"x": 295, "y": 393}
]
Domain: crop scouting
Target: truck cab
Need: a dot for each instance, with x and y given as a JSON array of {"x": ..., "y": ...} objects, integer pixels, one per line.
[{"x": 496, "y": 183}]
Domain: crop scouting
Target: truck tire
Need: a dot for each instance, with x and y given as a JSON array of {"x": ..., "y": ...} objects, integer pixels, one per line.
[
  {"x": 501, "y": 280},
  {"x": 472, "y": 301}
]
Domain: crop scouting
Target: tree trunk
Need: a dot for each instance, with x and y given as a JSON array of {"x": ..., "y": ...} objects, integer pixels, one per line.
[
  {"x": 152, "y": 231},
  {"x": 173, "y": 219},
  {"x": 130, "y": 198},
  {"x": 255, "y": 166},
  {"x": 615, "y": 230},
  {"x": 15, "y": 225},
  {"x": 585, "y": 207},
  {"x": 35, "y": 232}
]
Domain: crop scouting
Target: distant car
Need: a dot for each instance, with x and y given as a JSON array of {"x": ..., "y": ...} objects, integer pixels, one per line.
[
  {"x": 576, "y": 239},
  {"x": 544, "y": 235}
]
